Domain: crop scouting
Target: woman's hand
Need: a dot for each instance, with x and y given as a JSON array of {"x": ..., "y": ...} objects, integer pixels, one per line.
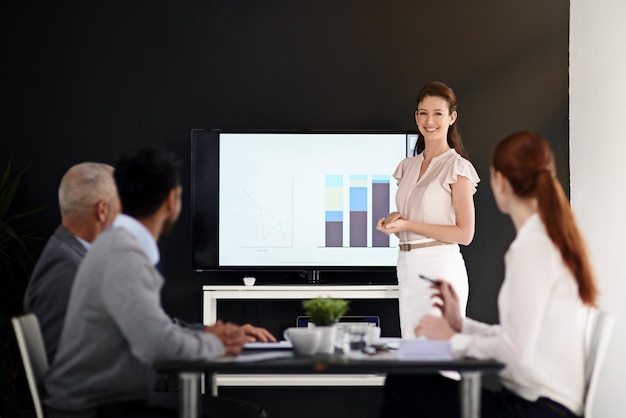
[
  {"x": 434, "y": 328},
  {"x": 448, "y": 304},
  {"x": 392, "y": 217},
  {"x": 390, "y": 225},
  {"x": 396, "y": 226}
]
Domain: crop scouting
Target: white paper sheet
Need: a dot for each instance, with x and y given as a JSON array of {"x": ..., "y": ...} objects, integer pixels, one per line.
[{"x": 424, "y": 350}]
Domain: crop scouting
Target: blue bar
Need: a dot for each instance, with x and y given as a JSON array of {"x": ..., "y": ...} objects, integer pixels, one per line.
[
  {"x": 334, "y": 216},
  {"x": 358, "y": 199}
]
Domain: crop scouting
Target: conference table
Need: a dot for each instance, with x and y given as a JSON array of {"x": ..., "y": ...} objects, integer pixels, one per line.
[{"x": 286, "y": 362}]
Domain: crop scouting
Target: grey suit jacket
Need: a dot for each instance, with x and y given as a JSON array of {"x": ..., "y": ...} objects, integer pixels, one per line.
[
  {"x": 50, "y": 284},
  {"x": 118, "y": 329}
]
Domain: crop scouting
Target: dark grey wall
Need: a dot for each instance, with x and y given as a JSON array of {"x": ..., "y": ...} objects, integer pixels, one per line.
[{"x": 89, "y": 81}]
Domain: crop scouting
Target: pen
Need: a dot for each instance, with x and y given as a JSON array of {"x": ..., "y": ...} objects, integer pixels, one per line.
[{"x": 428, "y": 279}]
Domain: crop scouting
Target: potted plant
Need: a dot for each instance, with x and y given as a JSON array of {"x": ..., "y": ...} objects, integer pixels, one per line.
[
  {"x": 19, "y": 247},
  {"x": 325, "y": 312}
]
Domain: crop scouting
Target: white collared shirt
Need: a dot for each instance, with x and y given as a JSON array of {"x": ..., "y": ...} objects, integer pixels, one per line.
[
  {"x": 141, "y": 234},
  {"x": 540, "y": 338}
]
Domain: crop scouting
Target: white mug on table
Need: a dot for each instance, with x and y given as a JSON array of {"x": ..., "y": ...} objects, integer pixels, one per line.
[{"x": 304, "y": 340}]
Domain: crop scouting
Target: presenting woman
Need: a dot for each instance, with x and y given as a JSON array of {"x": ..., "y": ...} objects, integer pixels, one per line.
[
  {"x": 543, "y": 304},
  {"x": 435, "y": 207}
]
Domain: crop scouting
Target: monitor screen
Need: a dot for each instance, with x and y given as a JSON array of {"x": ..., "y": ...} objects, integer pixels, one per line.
[{"x": 294, "y": 199}]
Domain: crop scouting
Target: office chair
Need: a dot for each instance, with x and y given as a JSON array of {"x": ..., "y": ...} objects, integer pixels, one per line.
[
  {"x": 33, "y": 354},
  {"x": 599, "y": 329}
]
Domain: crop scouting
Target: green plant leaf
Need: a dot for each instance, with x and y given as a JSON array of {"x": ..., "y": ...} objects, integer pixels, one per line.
[
  {"x": 18, "y": 242},
  {"x": 325, "y": 311},
  {"x": 8, "y": 189}
]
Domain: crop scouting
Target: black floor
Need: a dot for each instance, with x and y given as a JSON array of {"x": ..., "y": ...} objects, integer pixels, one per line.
[{"x": 310, "y": 402}]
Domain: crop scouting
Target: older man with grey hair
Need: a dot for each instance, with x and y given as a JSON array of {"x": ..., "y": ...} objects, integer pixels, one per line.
[{"x": 89, "y": 203}]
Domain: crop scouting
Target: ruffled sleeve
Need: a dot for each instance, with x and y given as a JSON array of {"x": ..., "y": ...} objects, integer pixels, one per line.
[
  {"x": 462, "y": 167},
  {"x": 400, "y": 170}
]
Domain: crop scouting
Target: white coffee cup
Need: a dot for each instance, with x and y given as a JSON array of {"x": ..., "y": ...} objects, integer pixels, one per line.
[
  {"x": 304, "y": 340},
  {"x": 249, "y": 281}
]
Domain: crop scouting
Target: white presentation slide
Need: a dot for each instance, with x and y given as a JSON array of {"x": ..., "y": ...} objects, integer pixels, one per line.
[{"x": 307, "y": 199}]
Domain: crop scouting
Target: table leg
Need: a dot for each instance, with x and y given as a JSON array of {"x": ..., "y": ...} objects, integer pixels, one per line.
[
  {"x": 470, "y": 394},
  {"x": 189, "y": 394},
  {"x": 212, "y": 378}
]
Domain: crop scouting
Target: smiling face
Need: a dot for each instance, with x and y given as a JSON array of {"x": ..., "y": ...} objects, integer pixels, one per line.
[{"x": 433, "y": 118}]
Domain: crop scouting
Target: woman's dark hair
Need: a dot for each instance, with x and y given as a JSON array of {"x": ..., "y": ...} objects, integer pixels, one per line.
[
  {"x": 144, "y": 178},
  {"x": 439, "y": 89},
  {"x": 526, "y": 160}
]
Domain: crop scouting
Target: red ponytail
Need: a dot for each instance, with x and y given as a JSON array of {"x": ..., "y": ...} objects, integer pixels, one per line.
[{"x": 526, "y": 160}]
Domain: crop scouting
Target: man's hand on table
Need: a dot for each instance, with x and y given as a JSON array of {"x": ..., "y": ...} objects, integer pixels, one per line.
[
  {"x": 257, "y": 334},
  {"x": 234, "y": 337}
]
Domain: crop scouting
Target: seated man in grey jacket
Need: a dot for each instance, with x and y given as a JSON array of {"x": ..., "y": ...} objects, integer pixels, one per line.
[
  {"x": 88, "y": 203},
  {"x": 115, "y": 328}
]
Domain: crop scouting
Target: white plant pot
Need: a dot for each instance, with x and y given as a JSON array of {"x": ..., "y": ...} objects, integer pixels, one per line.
[{"x": 328, "y": 335}]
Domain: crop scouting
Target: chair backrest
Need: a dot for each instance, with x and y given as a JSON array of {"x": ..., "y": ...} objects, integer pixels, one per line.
[
  {"x": 33, "y": 354},
  {"x": 599, "y": 329}
]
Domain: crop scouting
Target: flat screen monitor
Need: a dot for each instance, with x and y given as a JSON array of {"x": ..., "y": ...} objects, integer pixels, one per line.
[{"x": 286, "y": 199}]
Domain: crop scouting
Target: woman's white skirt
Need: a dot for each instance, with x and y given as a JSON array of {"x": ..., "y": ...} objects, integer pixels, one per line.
[{"x": 439, "y": 262}]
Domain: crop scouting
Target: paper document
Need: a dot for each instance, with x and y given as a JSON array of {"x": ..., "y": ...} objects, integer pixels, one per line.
[
  {"x": 393, "y": 343},
  {"x": 424, "y": 350}
]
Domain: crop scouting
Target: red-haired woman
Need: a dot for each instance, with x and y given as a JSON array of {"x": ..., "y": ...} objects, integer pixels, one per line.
[
  {"x": 435, "y": 206},
  {"x": 543, "y": 303}
]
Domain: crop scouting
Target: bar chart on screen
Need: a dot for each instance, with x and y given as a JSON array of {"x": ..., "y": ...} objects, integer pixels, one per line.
[{"x": 307, "y": 199}]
